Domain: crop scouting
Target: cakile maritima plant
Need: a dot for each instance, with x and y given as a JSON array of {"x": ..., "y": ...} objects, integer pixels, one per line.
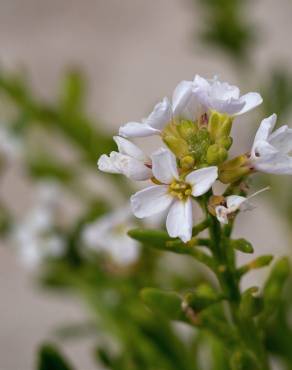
[{"x": 195, "y": 129}]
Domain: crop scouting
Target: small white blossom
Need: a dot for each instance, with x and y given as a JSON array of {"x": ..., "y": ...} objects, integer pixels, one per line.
[
  {"x": 190, "y": 101},
  {"x": 10, "y": 147},
  {"x": 129, "y": 161},
  {"x": 35, "y": 237},
  {"x": 233, "y": 204},
  {"x": 224, "y": 98},
  {"x": 270, "y": 152},
  {"x": 109, "y": 234},
  {"x": 173, "y": 194}
]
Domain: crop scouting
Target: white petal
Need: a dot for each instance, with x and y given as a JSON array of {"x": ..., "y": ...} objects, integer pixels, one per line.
[
  {"x": 161, "y": 115},
  {"x": 179, "y": 220},
  {"x": 222, "y": 214},
  {"x": 126, "y": 147},
  {"x": 151, "y": 201},
  {"x": 266, "y": 127},
  {"x": 277, "y": 163},
  {"x": 136, "y": 129},
  {"x": 281, "y": 139},
  {"x": 107, "y": 164},
  {"x": 234, "y": 202},
  {"x": 202, "y": 180},
  {"x": 251, "y": 100},
  {"x": 164, "y": 166},
  {"x": 131, "y": 167},
  {"x": 184, "y": 101}
]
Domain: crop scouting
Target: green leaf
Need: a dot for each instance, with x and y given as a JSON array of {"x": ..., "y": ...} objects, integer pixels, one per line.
[
  {"x": 167, "y": 304},
  {"x": 243, "y": 360},
  {"x": 251, "y": 304},
  {"x": 49, "y": 358},
  {"x": 274, "y": 286},
  {"x": 242, "y": 245},
  {"x": 257, "y": 263},
  {"x": 202, "y": 297}
]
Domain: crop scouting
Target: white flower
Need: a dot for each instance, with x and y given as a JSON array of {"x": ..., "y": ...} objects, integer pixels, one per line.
[
  {"x": 109, "y": 234},
  {"x": 10, "y": 147},
  {"x": 224, "y": 98},
  {"x": 35, "y": 237},
  {"x": 190, "y": 101},
  {"x": 129, "y": 161},
  {"x": 233, "y": 204},
  {"x": 173, "y": 194},
  {"x": 270, "y": 152}
]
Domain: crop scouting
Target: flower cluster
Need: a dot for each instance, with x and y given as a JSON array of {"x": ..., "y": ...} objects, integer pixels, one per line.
[{"x": 195, "y": 128}]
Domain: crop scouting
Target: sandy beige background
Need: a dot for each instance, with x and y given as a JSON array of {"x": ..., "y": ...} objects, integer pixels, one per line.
[{"x": 134, "y": 52}]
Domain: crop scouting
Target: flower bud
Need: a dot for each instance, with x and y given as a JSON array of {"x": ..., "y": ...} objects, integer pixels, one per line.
[
  {"x": 219, "y": 126},
  {"x": 234, "y": 169},
  {"x": 215, "y": 201},
  {"x": 177, "y": 145},
  {"x": 187, "y": 129},
  {"x": 225, "y": 142},
  {"x": 216, "y": 154},
  {"x": 187, "y": 162}
]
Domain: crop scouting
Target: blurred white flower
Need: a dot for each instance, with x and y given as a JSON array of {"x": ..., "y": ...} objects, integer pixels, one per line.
[
  {"x": 35, "y": 237},
  {"x": 173, "y": 193},
  {"x": 129, "y": 161},
  {"x": 10, "y": 146},
  {"x": 109, "y": 234},
  {"x": 190, "y": 101},
  {"x": 270, "y": 152}
]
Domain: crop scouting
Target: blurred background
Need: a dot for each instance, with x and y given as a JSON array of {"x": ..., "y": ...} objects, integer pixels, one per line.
[{"x": 130, "y": 54}]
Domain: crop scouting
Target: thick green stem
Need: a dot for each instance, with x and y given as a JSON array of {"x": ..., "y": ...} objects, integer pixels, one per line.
[{"x": 224, "y": 255}]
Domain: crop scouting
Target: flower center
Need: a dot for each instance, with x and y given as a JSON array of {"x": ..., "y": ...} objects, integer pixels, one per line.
[{"x": 180, "y": 189}]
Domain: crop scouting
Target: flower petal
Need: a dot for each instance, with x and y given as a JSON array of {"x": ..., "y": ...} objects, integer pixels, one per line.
[
  {"x": 151, "y": 201},
  {"x": 185, "y": 102},
  {"x": 265, "y": 129},
  {"x": 202, "y": 180},
  {"x": 107, "y": 163},
  {"x": 179, "y": 220},
  {"x": 234, "y": 202},
  {"x": 222, "y": 214},
  {"x": 164, "y": 166},
  {"x": 126, "y": 147},
  {"x": 161, "y": 115},
  {"x": 136, "y": 129},
  {"x": 281, "y": 139},
  {"x": 131, "y": 167},
  {"x": 251, "y": 100}
]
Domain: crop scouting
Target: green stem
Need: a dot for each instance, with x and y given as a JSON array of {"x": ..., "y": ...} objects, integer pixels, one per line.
[{"x": 224, "y": 255}]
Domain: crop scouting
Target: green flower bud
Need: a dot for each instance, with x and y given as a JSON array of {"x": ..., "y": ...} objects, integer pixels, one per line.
[
  {"x": 251, "y": 304},
  {"x": 187, "y": 162},
  {"x": 234, "y": 169},
  {"x": 225, "y": 142},
  {"x": 219, "y": 126},
  {"x": 216, "y": 154},
  {"x": 187, "y": 129},
  {"x": 177, "y": 145}
]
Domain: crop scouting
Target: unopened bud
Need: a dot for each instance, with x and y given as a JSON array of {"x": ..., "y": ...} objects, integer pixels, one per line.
[
  {"x": 187, "y": 162},
  {"x": 219, "y": 126},
  {"x": 177, "y": 145},
  {"x": 187, "y": 129},
  {"x": 234, "y": 169},
  {"x": 225, "y": 142},
  {"x": 216, "y": 154},
  {"x": 215, "y": 201}
]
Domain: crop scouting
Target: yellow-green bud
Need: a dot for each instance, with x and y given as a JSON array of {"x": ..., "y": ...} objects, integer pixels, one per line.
[
  {"x": 219, "y": 126},
  {"x": 178, "y": 146},
  {"x": 225, "y": 142},
  {"x": 234, "y": 169},
  {"x": 216, "y": 154},
  {"x": 187, "y": 162},
  {"x": 187, "y": 129}
]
